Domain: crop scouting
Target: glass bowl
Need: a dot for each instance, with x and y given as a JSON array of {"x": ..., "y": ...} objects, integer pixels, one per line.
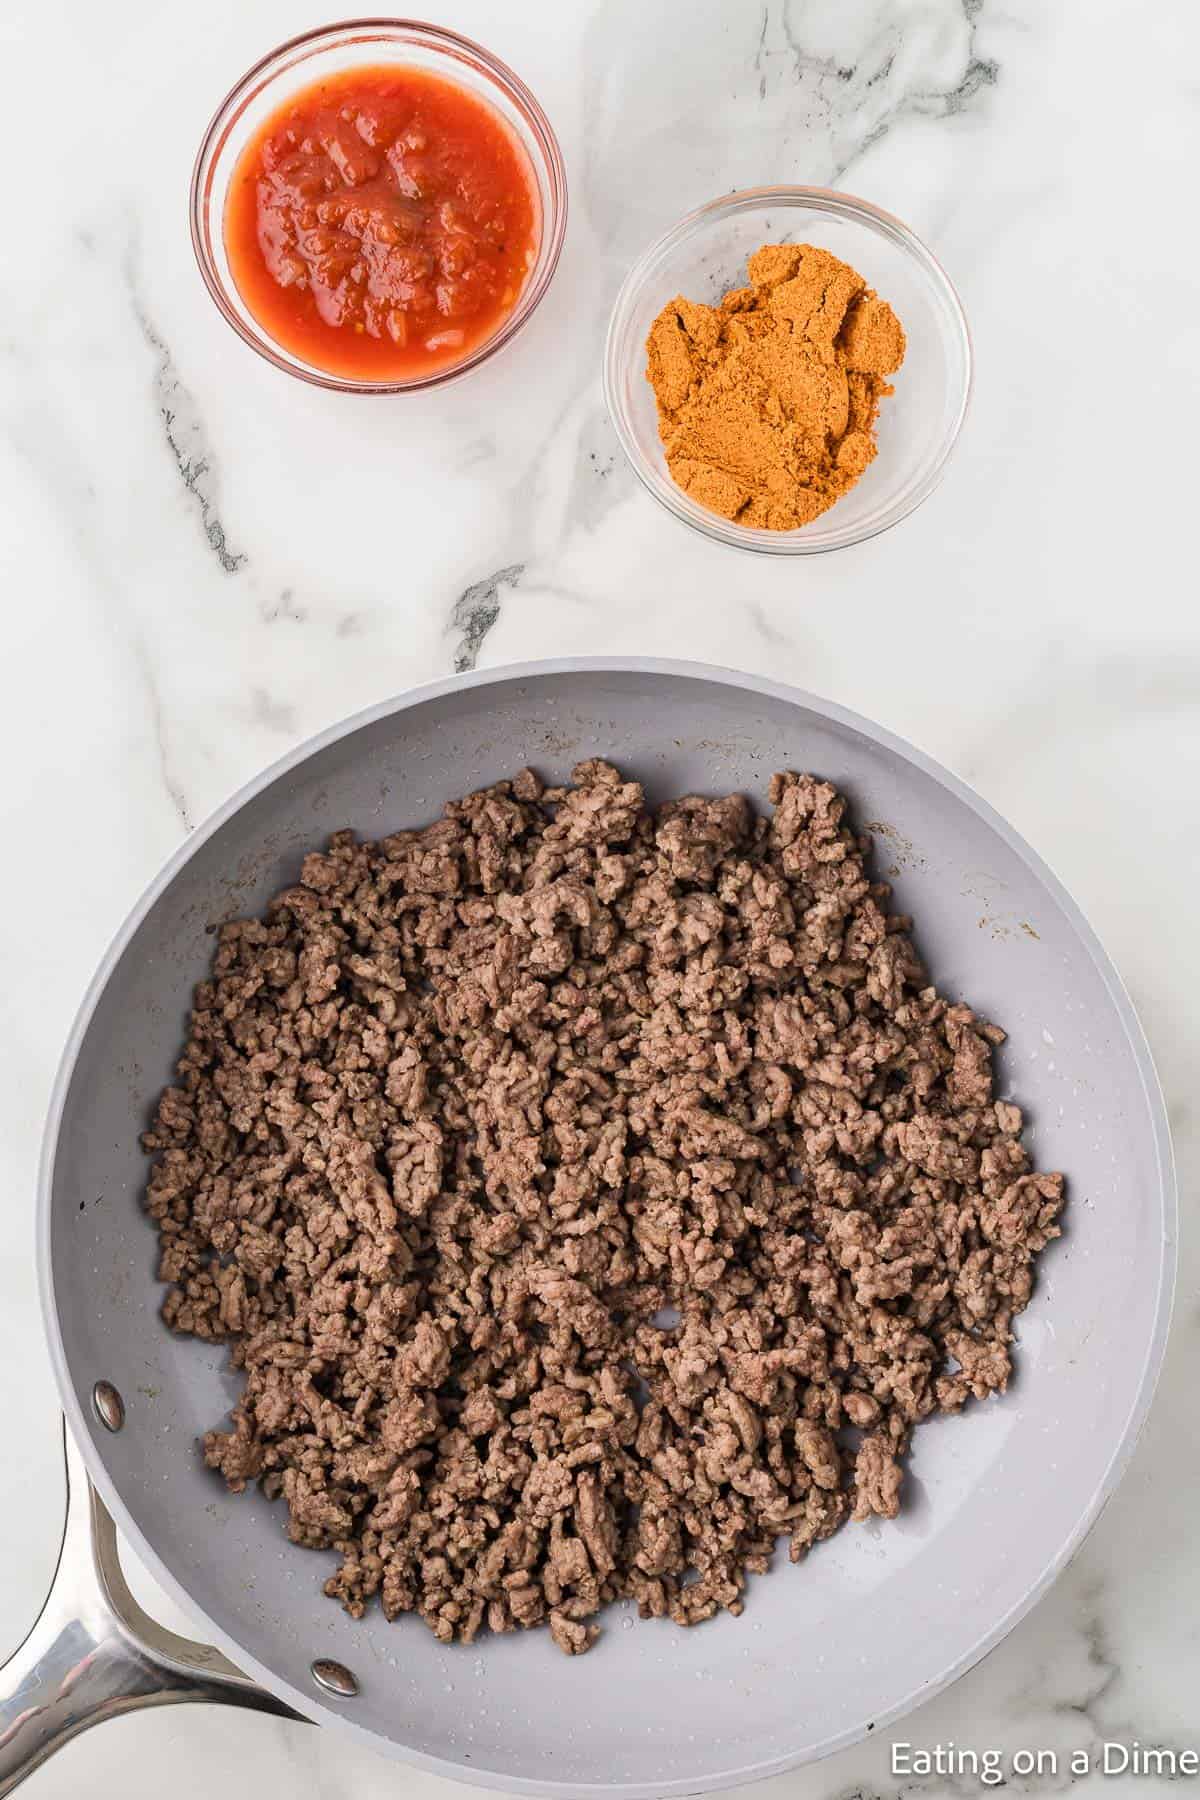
[
  {"x": 705, "y": 255},
  {"x": 374, "y": 43}
]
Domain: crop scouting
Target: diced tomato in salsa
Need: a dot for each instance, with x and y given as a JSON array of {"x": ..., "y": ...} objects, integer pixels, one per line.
[{"x": 382, "y": 223}]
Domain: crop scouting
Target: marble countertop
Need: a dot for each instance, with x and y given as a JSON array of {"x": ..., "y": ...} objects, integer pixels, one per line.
[{"x": 203, "y": 562}]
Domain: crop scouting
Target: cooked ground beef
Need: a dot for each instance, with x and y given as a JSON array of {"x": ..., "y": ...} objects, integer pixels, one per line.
[{"x": 591, "y": 1197}]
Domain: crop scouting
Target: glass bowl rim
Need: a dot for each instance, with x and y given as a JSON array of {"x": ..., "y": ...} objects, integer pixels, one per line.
[
  {"x": 259, "y": 76},
  {"x": 803, "y": 199}
]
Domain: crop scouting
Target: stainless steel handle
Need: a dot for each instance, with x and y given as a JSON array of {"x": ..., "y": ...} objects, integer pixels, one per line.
[{"x": 94, "y": 1653}]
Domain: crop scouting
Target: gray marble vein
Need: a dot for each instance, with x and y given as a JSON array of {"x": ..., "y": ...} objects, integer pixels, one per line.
[
  {"x": 864, "y": 91},
  {"x": 158, "y": 720},
  {"x": 812, "y": 89},
  {"x": 283, "y": 607},
  {"x": 185, "y": 432},
  {"x": 476, "y": 611}
]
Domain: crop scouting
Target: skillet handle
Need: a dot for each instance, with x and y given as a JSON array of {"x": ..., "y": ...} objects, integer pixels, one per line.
[{"x": 94, "y": 1653}]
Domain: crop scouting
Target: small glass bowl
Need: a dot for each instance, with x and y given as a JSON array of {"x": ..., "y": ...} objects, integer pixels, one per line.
[
  {"x": 705, "y": 255},
  {"x": 373, "y": 43}
]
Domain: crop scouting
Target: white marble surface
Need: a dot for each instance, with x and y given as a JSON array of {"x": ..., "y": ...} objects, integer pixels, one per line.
[{"x": 202, "y": 562}]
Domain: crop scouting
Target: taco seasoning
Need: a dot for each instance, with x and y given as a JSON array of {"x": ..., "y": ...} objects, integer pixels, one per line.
[
  {"x": 767, "y": 403},
  {"x": 382, "y": 222}
]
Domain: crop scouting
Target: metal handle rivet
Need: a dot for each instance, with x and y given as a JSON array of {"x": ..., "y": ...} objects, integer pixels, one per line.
[
  {"x": 335, "y": 1678},
  {"x": 110, "y": 1408}
]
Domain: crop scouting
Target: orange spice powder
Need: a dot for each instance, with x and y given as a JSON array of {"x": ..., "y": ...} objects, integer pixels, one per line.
[{"x": 767, "y": 403}]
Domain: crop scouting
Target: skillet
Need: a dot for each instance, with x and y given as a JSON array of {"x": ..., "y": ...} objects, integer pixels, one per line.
[{"x": 871, "y": 1624}]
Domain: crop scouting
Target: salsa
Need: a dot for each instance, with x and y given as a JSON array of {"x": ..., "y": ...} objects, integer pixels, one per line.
[{"x": 381, "y": 223}]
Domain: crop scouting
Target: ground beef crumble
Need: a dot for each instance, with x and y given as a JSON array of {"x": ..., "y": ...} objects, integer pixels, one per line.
[{"x": 590, "y": 1197}]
